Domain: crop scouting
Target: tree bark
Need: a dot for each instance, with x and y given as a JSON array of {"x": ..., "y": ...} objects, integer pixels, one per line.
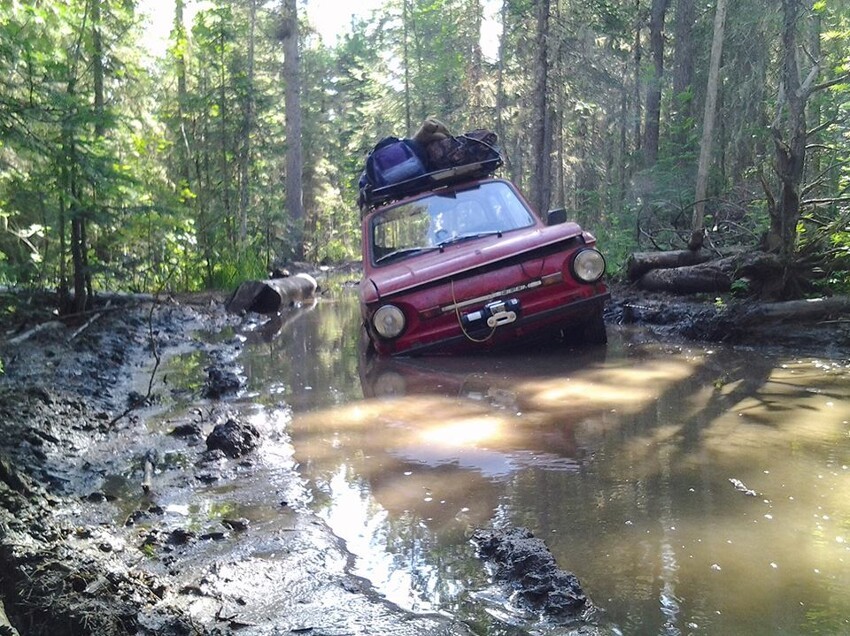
[
  {"x": 790, "y": 148},
  {"x": 475, "y": 64},
  {"x": 638, "y": 55},
  {"x": 683, "y": 74},
  {"x": 500, "y": 85},
  {"x": 292, "y": 105},
  {"x": 408, "y": 123},
  {"x": 224, "y": 145},
  {"x": 247, "y": 129},
  {"x": 541, "y": 142},
  {"x": 715, "y": 276},
  {"x": 798, "y": 310},
  {"x": 269, "y": 296},
  {"x": 640, "y": 263},
  {"x": 683, "y": 57},
  {"x": 698, "y": 220},
  {"x": 653, "y": 93}
]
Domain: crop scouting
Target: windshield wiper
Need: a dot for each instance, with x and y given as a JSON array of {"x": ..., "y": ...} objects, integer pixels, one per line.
[
  {"x": 406, "y": 251},
  {"x": 469, "y": 237}
]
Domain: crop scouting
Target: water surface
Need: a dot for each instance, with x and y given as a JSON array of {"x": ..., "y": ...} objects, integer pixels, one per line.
[{"x": 692, "y": 489}]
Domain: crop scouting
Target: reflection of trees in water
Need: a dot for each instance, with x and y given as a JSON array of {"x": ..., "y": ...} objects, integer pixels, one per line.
[
  {"x": 312, "y": 347},
  {"x": 647, "y": 464},
  {"x": 635, "y": 466},
  {"x": 657, "y": 471}
]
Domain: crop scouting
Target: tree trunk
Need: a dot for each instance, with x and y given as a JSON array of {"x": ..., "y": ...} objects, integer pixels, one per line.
[
  {"x": 408, "y": 122},
  {"x": 793, "y": 311},
  {"x": 500, "y": 85},
  {"x": 247, "y": 129},
  {"x": 683, "y": 58},
  {"x": 541, "y": 143},
  {"x": 789, "y": 139},
  {"x": 653, "y": 93},
  {"x": 224, "y": 145},
  {"x": 72, "y": 192},
  {"x": 683, "y": 72},
  {"x": 270, "y": 296},
  {"x": 715, "y": 276},
  {"x": 638, "y": 55},
  {"x": 698, "y": 220},
  {"x": 476, "y": 60},
  {"x": 292, "y": 105},
  {"x": 813, "y": 122},
  {"x": 640, "y": 263}
]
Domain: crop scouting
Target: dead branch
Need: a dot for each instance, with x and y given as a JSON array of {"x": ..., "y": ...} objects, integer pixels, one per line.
[
  {"x": 824, "y": 85},
  {"x": 811, "y": 309},
  {"x": 806, "y": 88},
  {"x": 51, "y": 324},
  {"x": 827, "y": 201},
  {"x": 89, "y": 322}
]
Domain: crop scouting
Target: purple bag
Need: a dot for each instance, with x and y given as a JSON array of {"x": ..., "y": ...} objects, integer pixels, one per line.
[{"x": 391, "y": 161}]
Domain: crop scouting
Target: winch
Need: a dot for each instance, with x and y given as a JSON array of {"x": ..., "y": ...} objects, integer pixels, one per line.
[{"x": 492, "y": 315}]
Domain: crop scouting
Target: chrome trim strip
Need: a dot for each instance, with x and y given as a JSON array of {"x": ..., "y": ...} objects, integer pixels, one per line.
[{"x": 480, "y": 299}]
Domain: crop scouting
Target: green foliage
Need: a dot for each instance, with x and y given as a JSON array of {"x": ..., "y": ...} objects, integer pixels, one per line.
[
  {"x": 179, "y": 174},
  {"x": 246, "y": 265},
  {"x": 740, "y": 287}
]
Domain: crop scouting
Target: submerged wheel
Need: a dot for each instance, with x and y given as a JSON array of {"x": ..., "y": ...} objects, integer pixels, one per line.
[
  {"x": 594, "y": 332},
  {"x": 588, "y": 333}
]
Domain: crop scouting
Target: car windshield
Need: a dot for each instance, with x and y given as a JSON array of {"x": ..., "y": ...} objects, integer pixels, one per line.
[{"x": 439, "y": 219}]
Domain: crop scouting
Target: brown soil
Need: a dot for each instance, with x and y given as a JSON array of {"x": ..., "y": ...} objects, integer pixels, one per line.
[
  {"x": 73, "y": 403},
  {"x": 72, "y": 400}
]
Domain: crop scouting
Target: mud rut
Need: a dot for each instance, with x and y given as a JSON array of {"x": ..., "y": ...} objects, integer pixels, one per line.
[
  {"x": 73, "y": 400},
  {"x": 73, "y": 403}
]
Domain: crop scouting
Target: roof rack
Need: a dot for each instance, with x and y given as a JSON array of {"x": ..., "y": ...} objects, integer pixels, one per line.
[{"x": 371, "y": 198}]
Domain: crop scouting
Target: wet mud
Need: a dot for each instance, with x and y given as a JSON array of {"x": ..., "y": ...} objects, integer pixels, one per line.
[
  {"x": 724, "y": 319},
  {"x": 75, "y": 448},
  {"x": 525, "y": 567}
]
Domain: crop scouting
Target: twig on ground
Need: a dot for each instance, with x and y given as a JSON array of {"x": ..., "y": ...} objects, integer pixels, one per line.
[{"x": 89, "y": 322}]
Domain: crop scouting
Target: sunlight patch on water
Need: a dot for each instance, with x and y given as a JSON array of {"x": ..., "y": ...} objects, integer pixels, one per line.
[
  {"x": 463, "y": 432},
  {"x": 692, "y": 490},
  {"x": 626, "y": 389}
]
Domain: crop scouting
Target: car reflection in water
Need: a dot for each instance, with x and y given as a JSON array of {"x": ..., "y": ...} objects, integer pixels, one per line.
[
  {"x": 483, "y": 401},
  {"x": 430, "y": 454}
]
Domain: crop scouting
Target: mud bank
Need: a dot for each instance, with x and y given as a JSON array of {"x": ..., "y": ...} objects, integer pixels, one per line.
[
  {"x": 731, "y": 320},
  {"x": 89, "y": 543},
  {"x": 75, "y": 448}
]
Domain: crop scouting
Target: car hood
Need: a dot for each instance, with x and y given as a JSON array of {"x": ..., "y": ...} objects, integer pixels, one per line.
[{"x": 461, "y": 257}]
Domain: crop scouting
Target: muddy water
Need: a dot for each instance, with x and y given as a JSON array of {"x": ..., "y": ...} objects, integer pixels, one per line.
[{"x": 693, "y": 490}]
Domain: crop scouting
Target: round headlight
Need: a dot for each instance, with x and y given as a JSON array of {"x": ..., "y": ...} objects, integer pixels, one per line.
[
  {"x": 388, "y": 321},
  {"x": 589, "y": 265}
]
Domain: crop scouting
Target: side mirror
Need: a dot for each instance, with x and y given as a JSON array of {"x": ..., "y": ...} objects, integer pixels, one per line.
[{"x": 556, "y": 217}]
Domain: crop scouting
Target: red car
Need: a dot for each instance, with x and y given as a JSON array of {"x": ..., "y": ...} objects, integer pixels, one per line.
[{"x": 470, "y": 267}]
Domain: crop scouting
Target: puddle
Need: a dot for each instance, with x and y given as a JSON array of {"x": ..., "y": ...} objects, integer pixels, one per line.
[{"x": 692, "y": 490}]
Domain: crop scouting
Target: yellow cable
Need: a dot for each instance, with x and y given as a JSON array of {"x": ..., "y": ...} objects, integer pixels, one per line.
[{"x": 460, "y": 321}]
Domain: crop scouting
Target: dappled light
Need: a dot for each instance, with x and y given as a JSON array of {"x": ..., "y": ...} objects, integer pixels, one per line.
[
  {"x": 683, "y": 485},
  {"x": 627, "y": 389},
  {"x": 464, "y": 432}
]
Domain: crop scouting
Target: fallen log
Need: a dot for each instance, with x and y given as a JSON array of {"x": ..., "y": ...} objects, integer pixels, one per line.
[
  {"x": 835, "y": 307},
  {"x": 269, "y": 296},
  {"x": 692, "y": 279},
  {"x": 714, "y": 276},
  {"x": 640, "y": 263}
]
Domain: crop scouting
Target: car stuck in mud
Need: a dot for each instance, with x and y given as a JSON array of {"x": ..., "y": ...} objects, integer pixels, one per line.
[{"x": 463, "y": 263}]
